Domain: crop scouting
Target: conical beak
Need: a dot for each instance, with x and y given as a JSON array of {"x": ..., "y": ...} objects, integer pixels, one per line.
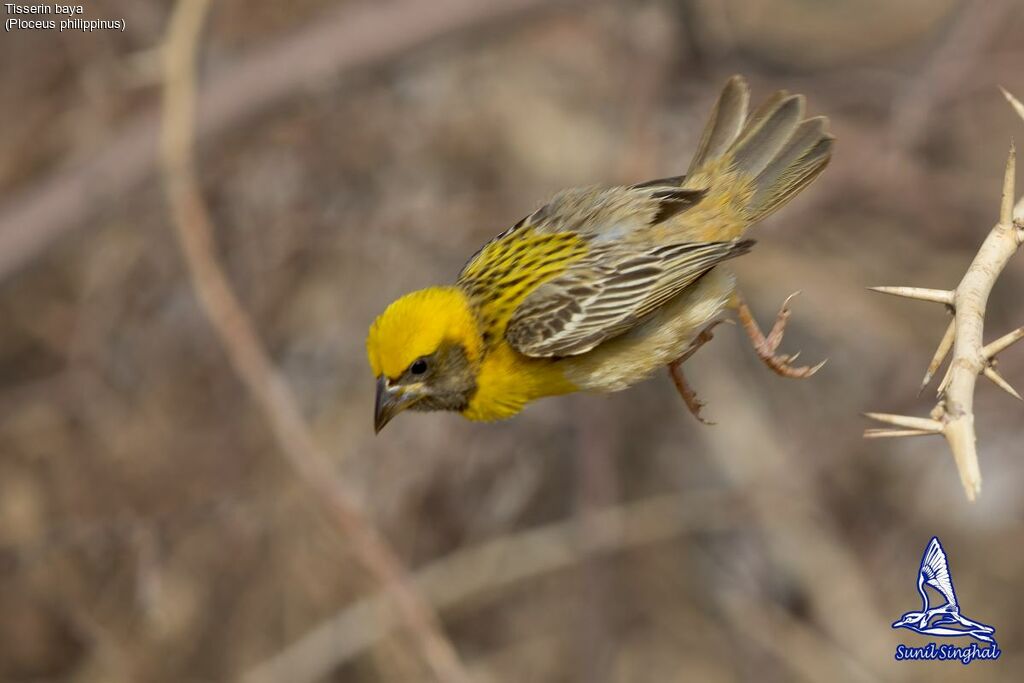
[{"x": 391, "y": 400}]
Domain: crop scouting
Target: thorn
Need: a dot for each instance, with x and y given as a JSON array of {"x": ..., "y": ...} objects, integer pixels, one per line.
[
  {"x": 939, "y": 296},
  {"x": 1014, "y": 102},
  {"x": 991, "y": 350},
  {"x": 916, "y": 423},
  {"x": 940, "y": 355},
  {"x": 998, "y": 380},
  {"x": 891, "y": 433},
  {"x": 1009, "y": 183},
  {"x": 945, "y": 380},
  {"x": 960, "y": 435}
]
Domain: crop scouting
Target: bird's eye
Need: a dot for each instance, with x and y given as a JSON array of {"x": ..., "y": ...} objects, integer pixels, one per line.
[{"x": 418, "y": 367}]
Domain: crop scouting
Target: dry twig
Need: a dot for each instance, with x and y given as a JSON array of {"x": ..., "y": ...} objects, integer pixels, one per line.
[
  {"x": 469, "y": 573},
  {"x": 360, "y": 34},
  {"x": 953, "y": 415},
  {"x": 796, "y": 526},
  {"x": 248, "y": 357},
  {"x": 952, "y": 62}
]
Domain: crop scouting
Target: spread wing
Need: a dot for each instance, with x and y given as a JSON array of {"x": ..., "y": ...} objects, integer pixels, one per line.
[
  {"x": 935, "y": 570},
  {"x": 607, "y": 292}
]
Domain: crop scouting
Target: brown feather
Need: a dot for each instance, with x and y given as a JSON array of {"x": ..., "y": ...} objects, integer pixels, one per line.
[{"x": 608, "y": 293}]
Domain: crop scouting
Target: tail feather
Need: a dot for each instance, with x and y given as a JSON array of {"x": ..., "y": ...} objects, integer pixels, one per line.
[
  {"x": 765, "y": 137},
  {"x": 762, "y": 160},
  {"x": 804, "y": 157},
  {"x": 725, "y": 123}
]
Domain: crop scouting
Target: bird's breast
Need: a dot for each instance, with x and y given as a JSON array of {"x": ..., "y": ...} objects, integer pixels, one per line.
[
  {"x": 508, "y": 380},
  {"x": 657, "y": 341}
]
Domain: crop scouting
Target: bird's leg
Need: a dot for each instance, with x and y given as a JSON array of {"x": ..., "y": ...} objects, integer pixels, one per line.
[
  {"x": 689, "y": 396},
  {"x": 765, "y": 346},
  {"x": 675, "y": 370}
]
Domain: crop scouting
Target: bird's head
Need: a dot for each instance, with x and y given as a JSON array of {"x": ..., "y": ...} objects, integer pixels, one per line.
[
  {"x": 424, "y": 350},
  {"x": 907, "y": 619}
]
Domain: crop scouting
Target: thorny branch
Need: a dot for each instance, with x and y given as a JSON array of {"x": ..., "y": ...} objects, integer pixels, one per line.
[
  {"x": 953, "y": 415},
  {"x": 250, "y": 360}
]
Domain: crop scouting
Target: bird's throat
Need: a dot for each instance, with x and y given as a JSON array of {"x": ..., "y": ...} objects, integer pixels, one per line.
[{"x": 508, "y": 380}]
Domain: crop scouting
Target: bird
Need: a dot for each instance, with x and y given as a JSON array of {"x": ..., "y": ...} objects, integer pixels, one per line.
[
  {"x": 934, "y": 572},
  {"x": 600, "y": 287}
]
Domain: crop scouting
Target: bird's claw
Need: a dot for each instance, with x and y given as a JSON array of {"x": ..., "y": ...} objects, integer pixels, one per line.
[
  {"x": 765, "y": 346},
  {"x": 689, "y": 396},
  {"x": 675, "y": 370}
]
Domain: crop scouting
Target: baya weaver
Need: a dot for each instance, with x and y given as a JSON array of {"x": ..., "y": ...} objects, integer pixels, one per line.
[{"x": 601, "y": 286}]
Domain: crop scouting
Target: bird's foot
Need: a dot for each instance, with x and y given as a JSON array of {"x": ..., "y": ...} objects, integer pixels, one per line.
[
  {"x": 675, "y": 370},
  {"x": 765, "y": 346},
  {"x": 689, "y": 396}
]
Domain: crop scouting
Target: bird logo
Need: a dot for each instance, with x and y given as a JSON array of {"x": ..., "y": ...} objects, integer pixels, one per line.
[{"x": 943, "y": 620}]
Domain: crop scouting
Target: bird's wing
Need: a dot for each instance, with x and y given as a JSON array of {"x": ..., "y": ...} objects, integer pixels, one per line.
[
  {"x": 935, "y": 570},
  {"x": 608, "y": 292},
  {"x": 578, "y": 243},
  {"x": 615, "y": 213}
]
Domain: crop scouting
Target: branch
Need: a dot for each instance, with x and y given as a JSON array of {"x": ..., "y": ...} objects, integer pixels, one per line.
[
  {"x": 952, "y": 63},
  {"x": 1018, "y": 211},
  {"x": 953, "y": 416},
  {"x": 247, "y": 355},
  {"x": 469, "y": 573}
]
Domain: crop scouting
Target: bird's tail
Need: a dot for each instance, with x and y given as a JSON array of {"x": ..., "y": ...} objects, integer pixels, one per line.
[{"x": 757, "y": 163}]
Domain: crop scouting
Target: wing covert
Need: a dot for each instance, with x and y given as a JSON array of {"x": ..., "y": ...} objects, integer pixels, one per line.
[
  {"x": 587, "y": 266},
  {"x": 608, "y": 292}
]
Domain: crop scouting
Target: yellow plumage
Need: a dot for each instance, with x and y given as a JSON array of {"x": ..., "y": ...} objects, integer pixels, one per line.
[
  {"x": 598, "y": 288},
  {"x": 419, "y": 323},
  {"x": 509, "y": 268},
  {"x": 508, "y": 380}
]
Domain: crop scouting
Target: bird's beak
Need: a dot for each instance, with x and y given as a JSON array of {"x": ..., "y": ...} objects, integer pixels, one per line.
[{"x": 391, "y": 400}]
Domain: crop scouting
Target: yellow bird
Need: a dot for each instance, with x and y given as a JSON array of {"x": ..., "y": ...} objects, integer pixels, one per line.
[{"x": 600, "y": 287}]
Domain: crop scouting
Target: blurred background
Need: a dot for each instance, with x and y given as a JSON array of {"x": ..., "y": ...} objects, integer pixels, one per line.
[{"x": 350, "y": 151}]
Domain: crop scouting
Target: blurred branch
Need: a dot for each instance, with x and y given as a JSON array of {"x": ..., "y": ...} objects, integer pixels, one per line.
[
  {"x": 597, "y": 488},
  {"x": 774, "y": 475},
  {"x": 247, "y": 355},
  {"x": 357, "y": 36},
  {"x": 781, "y": 634},
  {"x": 649, "y": 73},
  {"x": 472, "y": 572},
  {"x": 950, "y": 64},
  {"x": 953, "y": 415}
]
